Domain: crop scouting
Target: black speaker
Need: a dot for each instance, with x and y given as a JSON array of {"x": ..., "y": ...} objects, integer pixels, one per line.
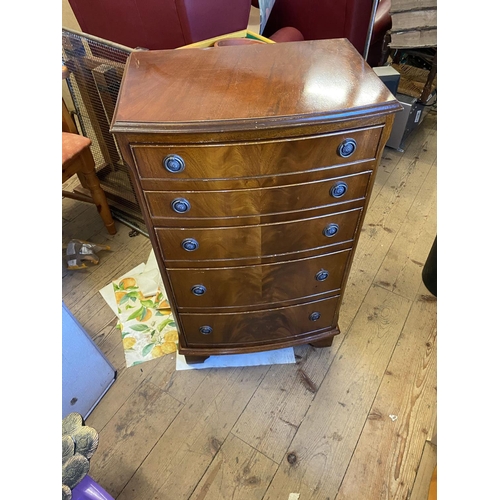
[{"x": 429, "y": 272}]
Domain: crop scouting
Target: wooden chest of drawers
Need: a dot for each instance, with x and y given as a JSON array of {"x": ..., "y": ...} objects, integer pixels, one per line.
[{"x": 253, "y": 166}]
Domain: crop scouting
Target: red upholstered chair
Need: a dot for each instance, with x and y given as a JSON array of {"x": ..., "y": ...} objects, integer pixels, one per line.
[
  {"x": 165, "y": 24},
  {"x": 323, "y": 19},
  {"x": 160, "y": 24}
]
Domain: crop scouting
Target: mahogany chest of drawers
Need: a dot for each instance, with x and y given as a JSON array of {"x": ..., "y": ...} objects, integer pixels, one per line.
[{"x": 253, "y": 166}]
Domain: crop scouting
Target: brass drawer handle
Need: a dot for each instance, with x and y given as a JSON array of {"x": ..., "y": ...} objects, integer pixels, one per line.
[
  {"x": 198, "y": 290},
  {"x": 206, "y": 330},
  {"x": 190, "y": 244},
  {"x": 174, "y": 163},
  {"x": 331, "y": 230},
  {"x": 346, "y": 148},
  {"x": 314, "y": 316},
  {"x": 338, "y": 190},
  {"x": 180, "y": 205},
  {"x": 322, "y": 275}
]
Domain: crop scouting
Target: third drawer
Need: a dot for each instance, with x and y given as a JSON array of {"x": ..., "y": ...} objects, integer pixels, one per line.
[{"x": 188, "y": 247}]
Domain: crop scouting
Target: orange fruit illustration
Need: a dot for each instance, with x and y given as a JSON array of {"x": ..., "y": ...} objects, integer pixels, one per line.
[
  {"x": 127, "y": 283},
  {"x": 146, "y": 316},
  {"x": 165, "y": 312}
]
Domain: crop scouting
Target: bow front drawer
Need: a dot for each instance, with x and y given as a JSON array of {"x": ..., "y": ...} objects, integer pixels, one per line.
[
  {"x": 223, "y": 161},
  {"x": 258, "y": 327},
  {"x": 258, "y": 285},
  {"x": 246, "y": 242},
  {"x": 249, "y": 202}
]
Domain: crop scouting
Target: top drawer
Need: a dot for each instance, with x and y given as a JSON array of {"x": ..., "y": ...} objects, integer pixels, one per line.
[{"x": 224, "y": 161}]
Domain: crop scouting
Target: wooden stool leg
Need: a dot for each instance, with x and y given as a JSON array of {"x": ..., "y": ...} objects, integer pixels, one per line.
[{"x": 94, "y": 186}]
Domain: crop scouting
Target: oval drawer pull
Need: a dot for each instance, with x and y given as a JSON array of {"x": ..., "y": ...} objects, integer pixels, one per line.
[
  {"x": 322, "y": 275},
  {"x": 174, "y": 163},
  {"x": 338, "y": 190},
  {"x": 180, "y": 205},
  {"x": 206, "y": 330},
  {"x": 198, "y": 290},
  {"x": 346, "y": 148},
  {"x": 314, "y": 316},
  {"x": 190, "y": 244},
  {"x": 331, "y": 230}
]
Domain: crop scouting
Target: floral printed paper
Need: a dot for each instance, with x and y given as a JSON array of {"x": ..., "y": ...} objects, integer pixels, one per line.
[{"x": 147, "y": 325}]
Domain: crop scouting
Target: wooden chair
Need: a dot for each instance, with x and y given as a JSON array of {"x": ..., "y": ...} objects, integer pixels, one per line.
[{"x": 77, "y": 159}]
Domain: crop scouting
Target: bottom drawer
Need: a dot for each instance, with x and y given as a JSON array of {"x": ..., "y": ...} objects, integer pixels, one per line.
[{"x": 258, "y": 327}]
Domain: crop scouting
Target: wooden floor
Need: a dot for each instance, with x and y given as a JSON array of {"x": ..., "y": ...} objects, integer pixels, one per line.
[{"x": 352, "y": 422}]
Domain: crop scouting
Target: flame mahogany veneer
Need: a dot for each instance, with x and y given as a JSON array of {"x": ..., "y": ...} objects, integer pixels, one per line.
[{"x": 253, "y": 166}]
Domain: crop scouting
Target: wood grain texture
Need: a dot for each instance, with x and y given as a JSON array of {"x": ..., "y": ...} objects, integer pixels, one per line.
[
  {"x": 408, "y": 5},
  {"x": 248, "y": 86},
  {"x": 269, "y": 327},
  {"x": 398, "y": 185},
  {"x": 413, "y": 38},
  {"x": 270, "y": 284},
  {"x": 319, "y": 455},
  {"x": 137, "y": 425},
  {"x": 267, "y": 181},
  {"x": 238, "y": 472},
  {"x": 128, "y": 381},
  {"x": 239, "y": 203},
  {"x": 257, "y": 241},
  {"x": 403, "y": 264},
  {"x": 248, "y": 160},
  {"x": 418, "y": 19},
  {"x": 398, "y": 419},
  {"x": 278, "y": 407},
  {"x": 180, "y": 458}
]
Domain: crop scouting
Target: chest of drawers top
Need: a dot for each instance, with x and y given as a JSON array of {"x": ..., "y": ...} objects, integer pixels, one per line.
[{"x": 254, "y": 87}]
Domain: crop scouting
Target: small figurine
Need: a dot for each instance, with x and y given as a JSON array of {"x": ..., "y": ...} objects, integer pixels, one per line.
[{"x": 79, "y": 252}]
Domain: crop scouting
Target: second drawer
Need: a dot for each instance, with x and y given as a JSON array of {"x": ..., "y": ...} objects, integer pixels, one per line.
[
  {"x": 248, "y": 202},
  {"x": 256, "y": 285}
]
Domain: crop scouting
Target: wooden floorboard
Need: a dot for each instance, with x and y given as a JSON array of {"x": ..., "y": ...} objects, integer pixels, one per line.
[
  {"x": 390, "y": 445},
  {"x": 275, "y": 412},
  {"x": 320, "y": 453},
  {"x": 355, "y": 421},
  {"x": 238, "y": 472}
]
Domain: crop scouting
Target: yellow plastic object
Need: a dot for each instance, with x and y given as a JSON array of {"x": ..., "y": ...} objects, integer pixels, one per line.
[{"x": 236, "y": 34}]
